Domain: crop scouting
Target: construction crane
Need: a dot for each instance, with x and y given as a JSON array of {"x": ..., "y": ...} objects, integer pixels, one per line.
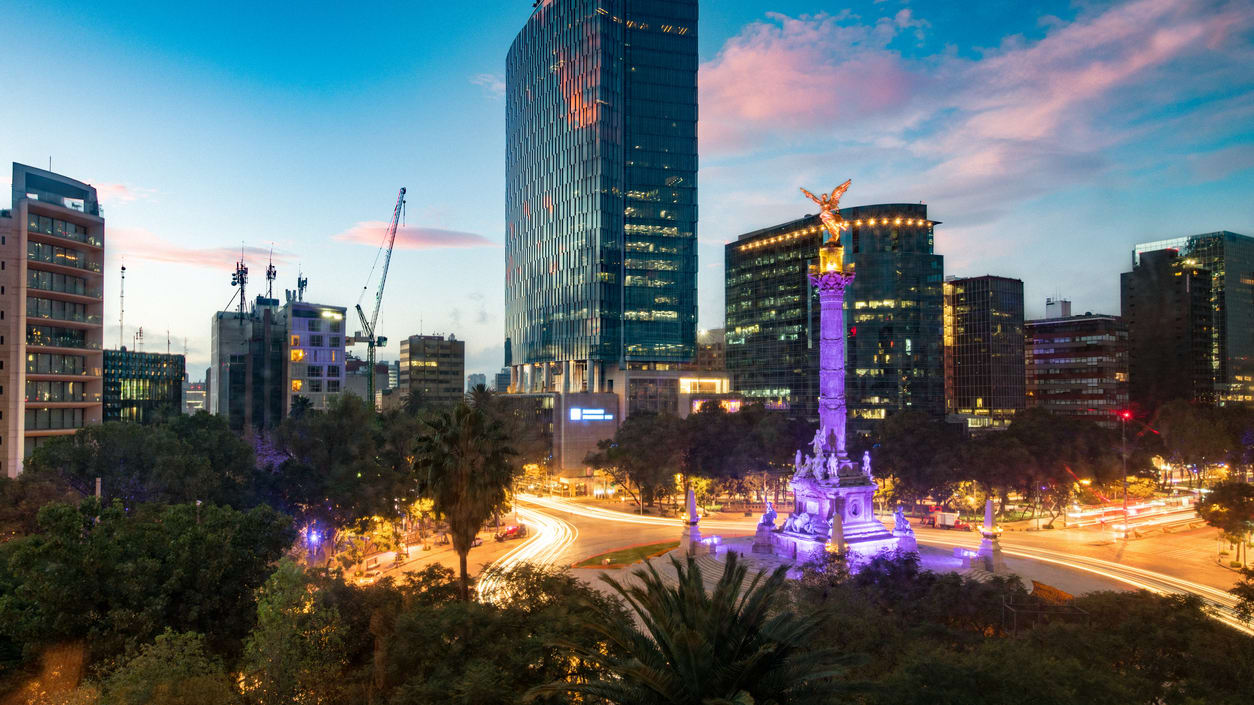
[{"x": 367, "y": 335}]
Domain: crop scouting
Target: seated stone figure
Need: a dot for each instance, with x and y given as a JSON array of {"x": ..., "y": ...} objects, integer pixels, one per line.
[
  {"x": 901, "y": 524},
  {"x": 768, "y": 517},
  {"x": 798, "y": 522}
]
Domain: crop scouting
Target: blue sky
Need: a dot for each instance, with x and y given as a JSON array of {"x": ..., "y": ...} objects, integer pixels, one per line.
[{"x": 1047, "y": 139}]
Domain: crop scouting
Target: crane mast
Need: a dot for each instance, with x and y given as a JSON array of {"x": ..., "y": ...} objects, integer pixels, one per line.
[{"x": 368, "y": 336}]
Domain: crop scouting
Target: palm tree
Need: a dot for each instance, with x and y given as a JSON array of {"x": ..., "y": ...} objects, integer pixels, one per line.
[
  {"x": 468, "y": 473},
  {"x": 725, "y": 647}
]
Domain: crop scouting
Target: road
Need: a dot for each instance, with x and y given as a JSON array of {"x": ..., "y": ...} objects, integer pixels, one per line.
[{"x": 564, "y": 532}]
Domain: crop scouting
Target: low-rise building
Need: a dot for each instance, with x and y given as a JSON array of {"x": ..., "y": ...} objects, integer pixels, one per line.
[{"x": 142, "y": 387}]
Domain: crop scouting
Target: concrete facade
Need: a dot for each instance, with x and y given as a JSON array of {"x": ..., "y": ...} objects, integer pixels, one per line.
[{"x": 51, "y": 309}]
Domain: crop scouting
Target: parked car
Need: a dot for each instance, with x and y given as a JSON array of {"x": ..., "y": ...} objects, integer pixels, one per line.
[{"x": 508, "y": 533}]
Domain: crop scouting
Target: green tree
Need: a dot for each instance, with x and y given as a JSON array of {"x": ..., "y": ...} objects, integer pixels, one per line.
[
  {"x": 296, "y": 653},
  {"x": 1194, "y": 436},
  {"x": 471, "y": 653},
  {"x": 184, "y": 459},
  {"x": 915, "y": 449},
  {"x": 693, "y": 647},
  {"x": 1229, "y": 507},
  {"x": 642, "y": 455},
  {"x": 118, "y": 578},
  {"x": 176, "y": 669},
  {"x": 343, "y": 468},
  {"x": 465, "y": 468},
  {"x": 21, "y": 498}
]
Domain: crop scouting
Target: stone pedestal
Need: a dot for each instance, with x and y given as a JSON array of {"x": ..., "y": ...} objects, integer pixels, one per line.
[
  {"x": 762, "y": 539},
  {"x": 989, "y": 557}
]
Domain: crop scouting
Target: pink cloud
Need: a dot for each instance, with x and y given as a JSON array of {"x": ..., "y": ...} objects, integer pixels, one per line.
[
  {"x": 121, "y": 193},
  {"x": 140, "y": 244},
  {"x": 788, "y": 74},
  {"x": 371, "y": 232}
]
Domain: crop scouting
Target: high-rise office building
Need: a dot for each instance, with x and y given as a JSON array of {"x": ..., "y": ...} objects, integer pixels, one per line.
[
  {"x": 894, "y": 359},
  {"x": 1230, "y": 259},
  {"x": 142, "y": 387},
  {"x": 475, "y": 380},
  {"x": 1077, "y": 366},
  {"x": 985, "y": 379},
  {"x": 500, "y": 381},
  {"x": 1168, "y": 308},
  {"x": 601, "y": 206},
  {"x": 248, "y": 366},
  {"x": 51, "y": 306},
  {"x": 434, "y": 368},
  {"x": 267, "y": 357}
]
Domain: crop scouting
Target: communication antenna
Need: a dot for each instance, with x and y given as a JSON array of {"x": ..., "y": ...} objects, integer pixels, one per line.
[
  {"x": 302, "y": 282},
  {"x": 139, "y": 340},
  {"x": 271, "y": 274},
  {"x": 240, "y": 280},
  {"x": 167, "y": 341},
  {"x": 121, "y": 306}
]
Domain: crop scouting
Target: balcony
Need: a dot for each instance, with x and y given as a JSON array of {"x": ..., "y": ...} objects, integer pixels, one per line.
[
  {"x": 60, "y": 341},
  {"x": 61, "y": 238},
  {"x": 66, "y": 265}
]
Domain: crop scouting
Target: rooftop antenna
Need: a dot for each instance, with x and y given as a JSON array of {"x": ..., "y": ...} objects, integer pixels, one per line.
[
  {"x": 302, "y": 282},
  {"x": 240, "y": 279},
  {"x": 184, "y": 346},
  {"x": 139, "y": 339},
  {"x": 271, "y": 274},
  {"x": 121, "y": 306},
  {"x": 167, "y": 341}
]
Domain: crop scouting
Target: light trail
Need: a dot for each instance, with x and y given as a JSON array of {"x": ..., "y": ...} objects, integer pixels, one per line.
[
  {"x": 1220, "y": 602},
  {"x": 548, "y": 538}
]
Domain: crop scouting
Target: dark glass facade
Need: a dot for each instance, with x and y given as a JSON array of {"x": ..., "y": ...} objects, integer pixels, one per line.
[
  {"x": 893, "y": 315},
  {"x": 1167, "y": 305},
  {"x": 141, "y": 387},
  {"x": 1230, "y": 259},
  {"x": 601, "y": 182},
  {"x": 985, "y": 375}
]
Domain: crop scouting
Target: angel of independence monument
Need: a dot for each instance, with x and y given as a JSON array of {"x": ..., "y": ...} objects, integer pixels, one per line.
[{"x": 832, "y": 494}]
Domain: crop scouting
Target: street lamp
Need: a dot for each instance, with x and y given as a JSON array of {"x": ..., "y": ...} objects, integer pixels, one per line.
[{"x": 1124, "y": 415}]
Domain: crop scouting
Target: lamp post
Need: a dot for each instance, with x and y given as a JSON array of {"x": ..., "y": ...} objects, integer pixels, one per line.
[{"x": 1124, "y": 415}]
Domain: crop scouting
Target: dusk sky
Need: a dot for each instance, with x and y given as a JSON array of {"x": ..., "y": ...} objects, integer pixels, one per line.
[{"x": 1047, "y": 140}]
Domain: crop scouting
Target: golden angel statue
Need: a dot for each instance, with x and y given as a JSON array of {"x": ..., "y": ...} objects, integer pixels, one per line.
[{"x": 829, "y": 209}]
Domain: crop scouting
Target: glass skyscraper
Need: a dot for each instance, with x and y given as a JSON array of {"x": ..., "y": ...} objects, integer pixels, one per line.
[
  {"x": 1230, "y": 259},
  {"x": 893, "y": 315},
  {"x": 985, "y": 363},
  {"x": 601, "y": 191}
]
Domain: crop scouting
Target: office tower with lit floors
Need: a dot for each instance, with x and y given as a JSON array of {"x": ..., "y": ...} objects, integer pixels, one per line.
[
  {"x": 1167, "y": 305},
  {"x": 893, "y": 316},
  {"x": 1077, "y": 366},
  {"x": 51, "y": 309},
  {"x": 601, "y": 199},
  {"x": 985, "y": 371},
  {"x": 1229, "y": 257},
  {"x": 142, "y": 387}
]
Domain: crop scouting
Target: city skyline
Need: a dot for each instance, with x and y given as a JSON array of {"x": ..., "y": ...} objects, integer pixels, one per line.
[{"x": 1035, "y": 139}]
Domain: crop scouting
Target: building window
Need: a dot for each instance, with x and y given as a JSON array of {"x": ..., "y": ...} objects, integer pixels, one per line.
[
  {"x": 315, "y": 341},
  {"x": 332, "y": 371},
  {"x": 315, "y": 386},
  {"x": 297, "y": 385},
  {"x": 315, "y": 325},
  {"x": 313, "y": 371},
  {"x": 298, "y": 355},
  {"x": 333, "y": 386},
  {"x": 295, "y": 342},
  {"x": 335, "y": 339}
]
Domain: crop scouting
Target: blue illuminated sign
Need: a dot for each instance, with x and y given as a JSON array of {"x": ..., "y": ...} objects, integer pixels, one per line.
[{"x": 581, "y": 414}]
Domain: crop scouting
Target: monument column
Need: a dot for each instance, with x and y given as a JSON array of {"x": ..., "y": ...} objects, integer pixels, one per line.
[{"x": 831, "y": 280}]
